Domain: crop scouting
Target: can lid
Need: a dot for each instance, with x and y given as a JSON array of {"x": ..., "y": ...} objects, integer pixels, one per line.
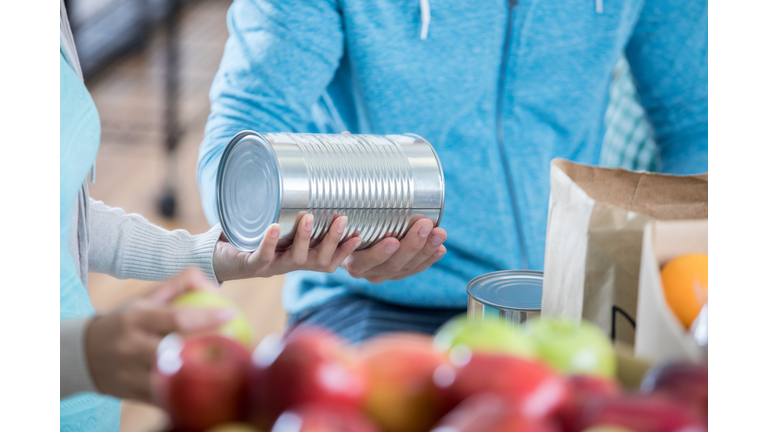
[
  {"x": 508, "y": 290},
  {"x": 249, "y": 189}
]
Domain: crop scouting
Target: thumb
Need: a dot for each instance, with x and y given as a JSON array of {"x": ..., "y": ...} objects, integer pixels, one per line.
[
  {"x": 191, "y": 320},
  {"x": 191, "y": 279},
  {"x": 183, "y": 319}
]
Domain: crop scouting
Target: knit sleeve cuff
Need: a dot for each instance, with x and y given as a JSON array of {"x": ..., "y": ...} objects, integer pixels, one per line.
[
  {"x": 152, "y": 253},
  {"x": 73, "y": 362}
]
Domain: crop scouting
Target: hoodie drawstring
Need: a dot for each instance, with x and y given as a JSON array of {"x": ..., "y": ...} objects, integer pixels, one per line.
[{"x": 425, "y": 18}]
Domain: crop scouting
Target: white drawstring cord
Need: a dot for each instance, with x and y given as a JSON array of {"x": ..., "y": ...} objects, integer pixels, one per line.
[
  {"x": 67, "y": 41},
  {"x": 599, "y": 6},
  {"x": 425, "y": 18}
]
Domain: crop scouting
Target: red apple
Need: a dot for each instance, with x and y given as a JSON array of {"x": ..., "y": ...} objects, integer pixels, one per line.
[
  {"x": 201, "y": 382},
  {"x": 642, "y": 413},
  {"x": 399, "y": 369},
  {"x": 590, "y": 386},
  {"x": 322, "y": 418},
  {"x": 583, "y": 390},
  {"x": 233, "y": 427},
  {"x": 685, "y": 381},
  {"x": 532, "y": 387},
  {"x": 607, "y": 428},
  {"x": 487, "y": 412},
  {"x": 309, "y": 365}
]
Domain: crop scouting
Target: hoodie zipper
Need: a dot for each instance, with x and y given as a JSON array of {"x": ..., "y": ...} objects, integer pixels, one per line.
[{"x": 500, "y": 133}]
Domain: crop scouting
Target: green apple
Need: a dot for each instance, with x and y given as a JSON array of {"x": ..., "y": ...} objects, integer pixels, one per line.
[
  {"x": 237, "y": 328},
  {"x": 485, "y": 336},
  {"x": 572, "y": 347}
]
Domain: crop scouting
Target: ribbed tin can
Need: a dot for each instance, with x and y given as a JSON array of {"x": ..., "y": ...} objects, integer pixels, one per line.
[
  {"x": 510, "y": 296},
  {"x": 382, "y": 183}
]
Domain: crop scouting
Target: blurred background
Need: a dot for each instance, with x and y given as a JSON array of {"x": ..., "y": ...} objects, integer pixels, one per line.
[{"x": 149, "y": 65}]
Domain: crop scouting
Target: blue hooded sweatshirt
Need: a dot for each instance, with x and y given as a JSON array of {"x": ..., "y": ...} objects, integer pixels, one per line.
[{"x": 499, "y": 88}]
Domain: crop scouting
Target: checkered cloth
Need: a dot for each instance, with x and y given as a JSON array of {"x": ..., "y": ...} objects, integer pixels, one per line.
[
  {"x": 357, "y": 318},
  {"x": 628, "y": 141}
]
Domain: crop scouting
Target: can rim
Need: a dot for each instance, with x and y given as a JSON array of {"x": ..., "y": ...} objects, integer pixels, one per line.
[
  {"x": 442, "y": 176},
  {"x": 219, "y": 178},
  {"x": 530, "y": 274}
]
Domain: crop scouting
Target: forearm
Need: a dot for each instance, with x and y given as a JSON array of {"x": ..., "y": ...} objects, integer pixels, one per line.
[
  {"x": 128, "y": 246},
  {"x": 75, "y": 377}
]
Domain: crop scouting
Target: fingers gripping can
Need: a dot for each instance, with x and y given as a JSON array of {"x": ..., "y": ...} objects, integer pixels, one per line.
[{"x": 382, "y": 183}]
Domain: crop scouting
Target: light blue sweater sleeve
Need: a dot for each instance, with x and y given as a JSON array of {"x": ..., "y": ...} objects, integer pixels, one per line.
[
  {"x": 79, "y": 134},
  {"x": 278, "y": 60},
  {"x": 668, "y": 53}
]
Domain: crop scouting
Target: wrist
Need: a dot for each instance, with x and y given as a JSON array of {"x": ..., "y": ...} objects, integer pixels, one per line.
[
  {"x": 206, "y": 246},
  {"x": 218, "y": 264},
  {"x": 75, "y": 374},
  {"x": 90, "y": 343}
]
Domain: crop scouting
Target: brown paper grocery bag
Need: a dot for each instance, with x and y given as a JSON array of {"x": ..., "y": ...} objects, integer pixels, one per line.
[
  {"x": 594, "y": 238},
  {"x": 660, "y": 336}
]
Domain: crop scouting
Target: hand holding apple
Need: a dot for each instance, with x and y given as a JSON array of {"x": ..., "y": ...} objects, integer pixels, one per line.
[{"x": 120, "y": 346}]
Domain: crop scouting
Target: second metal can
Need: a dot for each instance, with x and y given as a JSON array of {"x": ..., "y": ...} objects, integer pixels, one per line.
[
  {"x": 382, "y": 183},
  {"x": 510, "y": 296}
]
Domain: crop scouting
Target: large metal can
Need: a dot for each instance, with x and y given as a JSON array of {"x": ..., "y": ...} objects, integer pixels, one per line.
[{"x": 382, "y": 183}]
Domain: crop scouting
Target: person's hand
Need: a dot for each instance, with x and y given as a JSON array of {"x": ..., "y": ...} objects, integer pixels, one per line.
[
  {"x": 391, "y": 259},
  {"x": 230, "y": 263},
  {"x": 121, "y": 346}
]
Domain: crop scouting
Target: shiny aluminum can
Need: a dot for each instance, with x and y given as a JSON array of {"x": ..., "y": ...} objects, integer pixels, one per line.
[
  {"x": 510, "y": 296},
  {"x": 382, "y": 183}
]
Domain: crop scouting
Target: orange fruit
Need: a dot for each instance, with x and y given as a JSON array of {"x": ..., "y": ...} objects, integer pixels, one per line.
[{"x": 685, "y": 285}]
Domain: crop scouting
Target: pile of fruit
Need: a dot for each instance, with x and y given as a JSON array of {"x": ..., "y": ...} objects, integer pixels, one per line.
[{"x": 551, "y": 375}]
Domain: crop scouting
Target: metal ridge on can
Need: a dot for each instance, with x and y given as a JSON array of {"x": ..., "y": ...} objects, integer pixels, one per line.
[{"x": 382, "y": 183}]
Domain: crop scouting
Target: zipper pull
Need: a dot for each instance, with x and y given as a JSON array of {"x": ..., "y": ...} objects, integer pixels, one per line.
[{"x": 93, "y": 173}]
